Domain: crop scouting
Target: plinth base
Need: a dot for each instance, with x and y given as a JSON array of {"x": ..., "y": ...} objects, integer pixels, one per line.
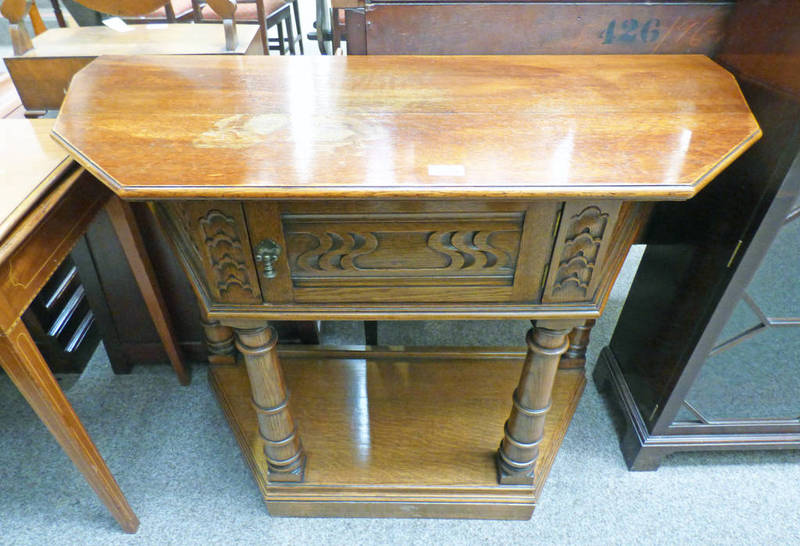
[{"x": 398, "y": 432}]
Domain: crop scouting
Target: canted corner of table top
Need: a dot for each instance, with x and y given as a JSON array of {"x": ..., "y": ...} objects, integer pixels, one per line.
[{"x": 646, "y": 127}]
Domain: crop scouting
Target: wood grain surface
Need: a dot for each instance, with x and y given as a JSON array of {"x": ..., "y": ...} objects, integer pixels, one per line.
[
  {"x": 44, "y": 73},
  {"x": 388, "y": 432},
  {"x": 472, "y": 27},
  {"x": 177, "y": 39},
  {"x": 27, "y": 369},
  {"x": 123, "y": 7},
  {"x": 30, "y": 161},
  {"x": 53, "y": 220},
  {"x": 36, "y": 247},
  {"x": 645, "y": 127},
  {"x": 399, "y": 259}
]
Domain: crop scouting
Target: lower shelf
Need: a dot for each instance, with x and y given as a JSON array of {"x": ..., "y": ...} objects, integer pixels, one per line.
[{"x": 395, "y": 432}]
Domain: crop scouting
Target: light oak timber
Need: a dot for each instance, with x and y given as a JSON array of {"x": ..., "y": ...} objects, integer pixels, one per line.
[
  {"x": 282, "y": 449},
  {"x": 524, "y": 429},
  {"x": 550, "y": 127},
  {"x": 343, "y": 4},
  {"x": 408, "y": 432},
  {"x": 219, "y": 342},
  {"x": 175, "y": 39},
  {"x": 124, "y": 8},
  {"x": 311, "y": 284},
  {"x": 461, "y": 187},
  {"x": 575, "y": 356}
]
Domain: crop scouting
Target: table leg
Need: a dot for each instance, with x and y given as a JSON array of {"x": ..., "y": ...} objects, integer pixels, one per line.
[
  {"x": 219, "y": 341},
  {"x": 336, "y": 31},
  {"x": 25, "y": 366},
  {"x": 127, "y": 231},
  {"x": 282, "y": 448},
  {"x": 524, "y": 429},
  {"x": 575, "y": 357}
]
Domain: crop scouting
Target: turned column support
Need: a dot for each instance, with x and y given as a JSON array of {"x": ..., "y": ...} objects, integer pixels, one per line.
[
  {"x": 524, "y": 430},
  {"x": 575, "y": 356},
  {"x": 282, "y": 447},
  {"x": 219, "y": 342}
]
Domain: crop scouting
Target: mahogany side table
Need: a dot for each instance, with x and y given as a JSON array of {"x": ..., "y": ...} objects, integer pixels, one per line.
[
  {"x": 402, "y": 188},
  {"x": 47, "y": 201}
]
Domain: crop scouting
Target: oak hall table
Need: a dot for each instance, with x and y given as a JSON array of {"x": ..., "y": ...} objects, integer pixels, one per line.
[{"x": 402, "y": 188}]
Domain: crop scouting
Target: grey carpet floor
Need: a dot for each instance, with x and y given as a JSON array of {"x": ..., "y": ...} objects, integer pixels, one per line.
[{"x": 180, "y": 467}]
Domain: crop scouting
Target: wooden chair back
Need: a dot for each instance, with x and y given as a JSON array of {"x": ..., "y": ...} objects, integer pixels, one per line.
[{"x": 15, "y": 11}]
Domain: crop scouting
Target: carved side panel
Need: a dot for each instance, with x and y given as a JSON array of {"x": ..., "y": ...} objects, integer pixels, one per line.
[
  {"x": 180, "y": 221},
  {"x": 214, "y": 237},
  {"x": 583, "y": 240}
]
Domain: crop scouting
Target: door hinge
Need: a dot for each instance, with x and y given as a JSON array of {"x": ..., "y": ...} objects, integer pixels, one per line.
[
  {"x": 735, "y": 252},
  {"x": 544, "y": 279},
  {"x": 558, "y": 221}
]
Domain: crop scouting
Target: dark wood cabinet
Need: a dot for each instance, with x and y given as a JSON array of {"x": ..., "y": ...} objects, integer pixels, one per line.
[
  {"x": 62, "y": 323},
  {"x": 380, "y": 27},
  {"x": 700, "y": 259}
]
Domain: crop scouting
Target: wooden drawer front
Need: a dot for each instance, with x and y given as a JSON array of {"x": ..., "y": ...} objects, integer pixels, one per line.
[{"x": 401, "y": 251}]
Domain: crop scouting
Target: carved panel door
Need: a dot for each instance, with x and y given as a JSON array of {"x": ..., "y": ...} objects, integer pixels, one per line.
[{"x": 402, "y": 251}]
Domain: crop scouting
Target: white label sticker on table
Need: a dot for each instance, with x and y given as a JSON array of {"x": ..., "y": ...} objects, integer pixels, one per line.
[
  {"x": 156, "y": 26},
  {"x": 446, "y": 170},
  {"x": 115, "y": 23}
]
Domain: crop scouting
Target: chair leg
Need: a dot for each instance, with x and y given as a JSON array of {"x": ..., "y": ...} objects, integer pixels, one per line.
[
  {"x": 265, "y": 38},
  {"x": 281, "y": 39},
  {"x": 290, "y": 34},
  {"x": 297, "y": 26},
  {"x": 371, "y": 332}
]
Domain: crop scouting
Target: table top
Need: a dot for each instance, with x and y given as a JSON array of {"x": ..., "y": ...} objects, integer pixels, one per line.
[
  {"x": 618, "y": 126},
  {"x": 29, "y": 163},
  {"x": 141, "y": 39}
]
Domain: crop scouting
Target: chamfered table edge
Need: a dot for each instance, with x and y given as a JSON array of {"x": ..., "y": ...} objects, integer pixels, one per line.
[{"x": 638, "y": 192}]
